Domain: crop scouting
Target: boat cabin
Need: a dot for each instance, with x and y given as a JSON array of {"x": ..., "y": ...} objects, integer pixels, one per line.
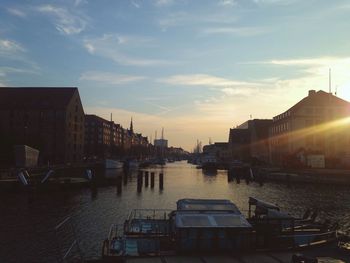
[{"x": 210, "y": 225}]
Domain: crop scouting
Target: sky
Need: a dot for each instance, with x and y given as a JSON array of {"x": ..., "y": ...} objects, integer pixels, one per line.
[{"x": 195, "y": 67}]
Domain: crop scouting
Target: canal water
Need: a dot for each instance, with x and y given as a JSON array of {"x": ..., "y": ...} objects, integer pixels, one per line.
[{"x": 27, "y": 220}]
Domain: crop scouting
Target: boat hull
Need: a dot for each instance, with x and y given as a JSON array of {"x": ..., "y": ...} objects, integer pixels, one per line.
[{"x": 113, "y": 164}]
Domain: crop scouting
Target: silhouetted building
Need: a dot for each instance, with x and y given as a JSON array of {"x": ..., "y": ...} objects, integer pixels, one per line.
[
  {"x": 48, "y": 119},
  {"x": 318, "y": 124},
  {"x": 250, "y": 140},
  {"x": 219, "y": 150},
  {"x": 238, "y": 144}
]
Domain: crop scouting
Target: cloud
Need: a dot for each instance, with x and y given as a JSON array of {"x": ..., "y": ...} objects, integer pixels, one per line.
[
  {"x": 16, "y": 12},
  {"x": 238, "y": 31},
  {"x": 182, "y": 19},
  {"x": 109, "y": 77},
  {"x": 204, "y": 80},
  {"x": 10, "y": 70},
  {"x": 160, "y": 3},
  {"x": 275, "y": 2},
  {"x": 226, "y": 3},
  {"x": 65, "y": 22},
  {"x": 117, "y": 48},
  {"x": 10, "y": 47},
  {"x": 312, "y": 73},
  {"x": 135, "y": 4}
]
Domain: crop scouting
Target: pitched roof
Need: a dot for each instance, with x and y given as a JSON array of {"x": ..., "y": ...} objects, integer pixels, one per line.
[
  {"x": 320, "y": 98},
  {"x": 35, "y": 98}
]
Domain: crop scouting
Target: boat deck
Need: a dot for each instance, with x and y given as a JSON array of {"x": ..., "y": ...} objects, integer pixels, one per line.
[
  {"x": 329, "y": 253},
  {"x": 271, "y": 257}
]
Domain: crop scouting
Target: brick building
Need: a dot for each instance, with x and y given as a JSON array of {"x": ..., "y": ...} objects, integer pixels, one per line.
[{"x": 48, "y": 119}]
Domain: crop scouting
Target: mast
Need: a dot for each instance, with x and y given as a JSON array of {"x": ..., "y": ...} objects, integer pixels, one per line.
[{"x": 330, "y": 80}]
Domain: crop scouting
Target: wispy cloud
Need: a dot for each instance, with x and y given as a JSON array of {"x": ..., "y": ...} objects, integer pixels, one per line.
[
  {"x": 10, "y": 70},
  {"x": 182, "y": 19},
  {"x": 275, "y": 2},
  {"x": 163, "y": 2},
  {"x": 204, "y": 80},
  {"x": 311, "y": 73},
  {"x": 117, "y": 48},
  {"x": 109, "y": 78},
  {"x": 237, "y": 31},
  {"x": 65, "y": 21},
  {"x": 227, "y": 3},
  {"x": 10, "y": 47},
  {"x": 135, "y": 3},
  {"x": 16, "y": 12}
]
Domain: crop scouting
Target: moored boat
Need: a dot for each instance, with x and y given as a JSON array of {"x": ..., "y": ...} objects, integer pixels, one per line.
[
  {"x": 113, "y": 164},
  {"x": 202, "y": 226}
]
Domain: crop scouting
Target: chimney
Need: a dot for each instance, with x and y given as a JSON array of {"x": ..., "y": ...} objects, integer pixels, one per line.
[{"x": 312, "y": 92}]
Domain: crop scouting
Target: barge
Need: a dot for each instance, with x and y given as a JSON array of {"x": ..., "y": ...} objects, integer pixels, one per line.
[{"x": 207, "y": 227}]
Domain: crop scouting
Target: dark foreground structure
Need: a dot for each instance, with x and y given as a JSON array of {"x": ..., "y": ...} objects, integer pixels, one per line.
[
  {"x": 201, "y": 230},
  {"x": 48, "y": 119}
]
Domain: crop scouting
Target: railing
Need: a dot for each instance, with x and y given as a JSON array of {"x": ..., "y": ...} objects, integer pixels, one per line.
[
  {"x": 69, "y": 249},
  {"x": 304, "y": 240},
  {"x": 155, "y": 214}
]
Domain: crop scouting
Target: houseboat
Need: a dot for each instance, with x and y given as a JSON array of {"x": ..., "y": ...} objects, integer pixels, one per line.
[{"x": 202, "y": 226}]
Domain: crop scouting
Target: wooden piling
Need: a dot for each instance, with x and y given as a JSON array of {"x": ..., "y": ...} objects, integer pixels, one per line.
[
  {"x": 152, "y": 179},
  {"x": 161, "y": 177},
  {"x": 139, "y": 182},
  {"x": 119, "y": 184},
  {"x": 146, "y": 178}
]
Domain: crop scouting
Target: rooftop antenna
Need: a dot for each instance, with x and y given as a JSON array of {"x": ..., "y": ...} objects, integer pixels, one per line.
[
  {"x": 251, "y": 116},
  {"x": 330, "y": 80},
  {"x": 162, "y": 133},
  {"x": 155, "y": 135},
  {"x": 111, "y": 116}
]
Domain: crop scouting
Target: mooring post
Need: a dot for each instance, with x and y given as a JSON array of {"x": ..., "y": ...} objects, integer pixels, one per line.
[
  {"x": 119, "y": 184},
  {"x": 139, "y": 181},
  {"x": 146, "y": 178},
  {"x": 161, "y": 177},
  {"x": 152, "y": 179}
]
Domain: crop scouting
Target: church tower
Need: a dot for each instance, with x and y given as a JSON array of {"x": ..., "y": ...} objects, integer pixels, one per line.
[{"x": 131, "y": 126}]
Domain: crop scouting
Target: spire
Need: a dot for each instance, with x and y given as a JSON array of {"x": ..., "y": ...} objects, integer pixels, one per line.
[{"x": 131, "y": 126}]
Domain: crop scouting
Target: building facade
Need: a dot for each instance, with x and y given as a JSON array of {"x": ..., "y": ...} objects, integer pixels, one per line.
[
  {"x": 48, "y": 119},
  {"x": 318, "y": 124},
  {"x": 106, "y": 139},
  {"x": 250, "y": 140}
]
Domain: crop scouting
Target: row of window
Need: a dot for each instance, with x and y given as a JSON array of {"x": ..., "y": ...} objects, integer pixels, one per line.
[{"x": 280, "y": 128}]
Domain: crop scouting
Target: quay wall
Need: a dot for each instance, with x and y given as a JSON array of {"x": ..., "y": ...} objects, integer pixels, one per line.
[{"x": 313, "y": 176}]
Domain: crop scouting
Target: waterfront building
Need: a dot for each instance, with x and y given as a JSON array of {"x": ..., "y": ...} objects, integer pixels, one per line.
[
  {"x": 250, "y": 140},
  {"x": 100, "y": 135},
  {"x": 106, "y": 139},
  {"x": 317, "y": 125},
  {"x": 219, "y": 150},
  {"x": 48, "y": 119}
]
